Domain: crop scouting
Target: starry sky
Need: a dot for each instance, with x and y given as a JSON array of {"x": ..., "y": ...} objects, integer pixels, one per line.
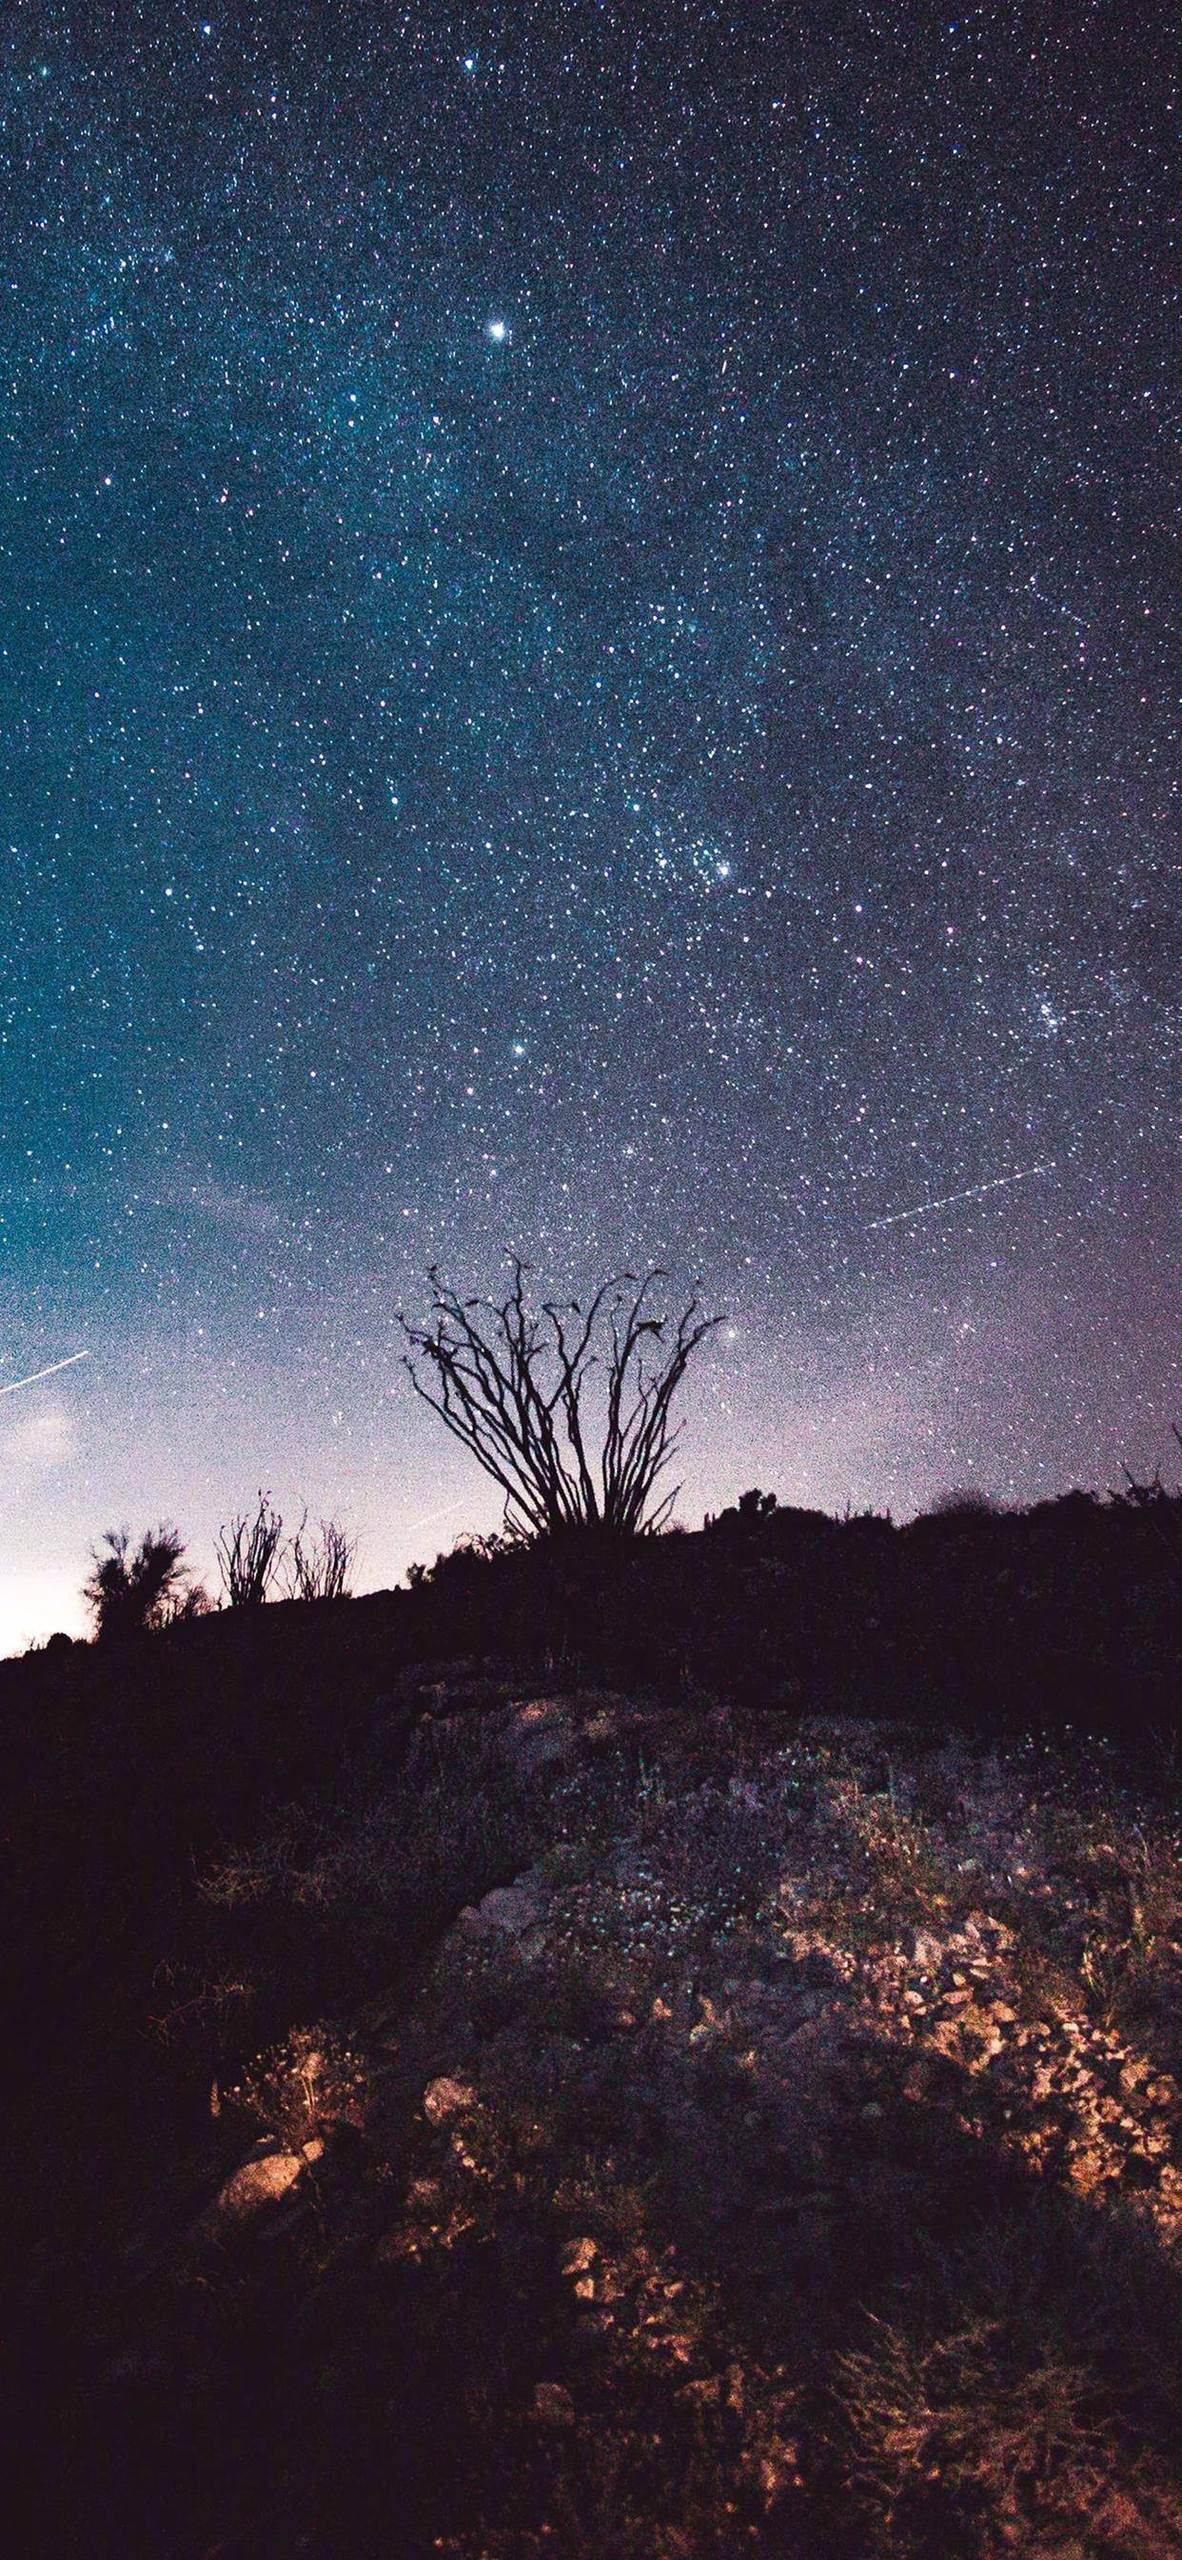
[{"x": 587, "y": 662}]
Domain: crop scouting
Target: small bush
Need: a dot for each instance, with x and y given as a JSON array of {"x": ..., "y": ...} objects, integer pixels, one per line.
[
  {"x": 319, "y": 1567},
  {"x": 249, "y": 1553},
  {"x": 135, "y": 1592},
  {"x": 304, "y": 2087},
  {"x": 965, "y": 1502}
]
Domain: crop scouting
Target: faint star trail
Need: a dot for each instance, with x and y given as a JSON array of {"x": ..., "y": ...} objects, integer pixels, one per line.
[
  {"x": 37, "y": 1374},
  {"x": 426, "y": 1518},
  {"x": 977, "y": 1191}
]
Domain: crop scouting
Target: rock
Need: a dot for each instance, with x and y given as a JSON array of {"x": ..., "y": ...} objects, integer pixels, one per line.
[
  {"x": 816, "y": 2042},
  {"x": 578, "y": 2256},
  {"x": 513, "y": 1908},
  {"x": 262, "y": 2182},
  {"x": 814, "y": 1968},
  {"x": 806, "y": 2005},
  {"x": 540, "y": 1736},
  {"x": 705, "y": 2393},
  {"x": 446, "y": 2097},
  {"x": 778, "y": 2468},
  {"x": 553, "y": 2405}
]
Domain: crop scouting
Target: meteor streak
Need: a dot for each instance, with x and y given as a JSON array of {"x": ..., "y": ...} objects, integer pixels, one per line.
[
  {"x": 1052, "y": 607},
  {"x": 1000, "y": 1182},
  {"x": 37, "y": 1374},
  {"x": 425, "y": 1518}
]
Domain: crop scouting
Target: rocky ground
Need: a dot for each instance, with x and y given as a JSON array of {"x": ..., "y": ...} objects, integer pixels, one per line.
[{"x": 781, "y": 2156}]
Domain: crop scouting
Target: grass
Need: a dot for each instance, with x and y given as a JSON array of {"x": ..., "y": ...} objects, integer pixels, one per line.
[{"x": 1017, "y": 2404}]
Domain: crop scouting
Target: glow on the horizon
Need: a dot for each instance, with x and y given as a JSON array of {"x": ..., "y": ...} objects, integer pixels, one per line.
[{"x": 37, "y": 1601}]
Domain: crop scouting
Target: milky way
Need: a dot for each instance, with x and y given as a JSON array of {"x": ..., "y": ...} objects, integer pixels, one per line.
[{"x": 586, "y": 617}]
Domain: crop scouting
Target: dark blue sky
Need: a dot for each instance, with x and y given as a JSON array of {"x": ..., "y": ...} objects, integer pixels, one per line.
[{"x": 587, "y": 661}]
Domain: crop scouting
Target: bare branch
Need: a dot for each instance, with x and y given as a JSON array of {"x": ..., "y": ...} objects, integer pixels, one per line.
[
  {"x": 248, "y": 1552},
  {"x": 567, "y": 1409},
  {"x": 319, "y": 1568}
]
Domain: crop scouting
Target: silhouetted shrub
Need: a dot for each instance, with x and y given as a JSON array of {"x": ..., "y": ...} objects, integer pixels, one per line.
[
  {"x": 132, "y": 1592},
  {"x": 249, "y": 1552},
  {"x": 964, "y": 1502},
  {"x": 452, "y": 1564},
  {"x": 319, "y": 1567},
  {"x": 750, "y": 1511},
  {"x": 567, "y": 1408},
  {"x": 1162, "y": 1506}
]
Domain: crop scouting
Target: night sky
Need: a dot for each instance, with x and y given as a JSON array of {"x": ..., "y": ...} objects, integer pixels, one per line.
[{"x": 587, "y": 660}]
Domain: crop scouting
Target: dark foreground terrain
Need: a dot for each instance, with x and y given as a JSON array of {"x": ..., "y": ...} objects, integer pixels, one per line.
[{"x": 663, "y": 2053}]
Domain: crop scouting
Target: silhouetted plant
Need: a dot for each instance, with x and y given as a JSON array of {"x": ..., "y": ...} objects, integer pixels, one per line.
[
  {"x": 513, "y": 1385},
  {"x": 249, "y": 1551},
  {"x": 303, "y": 2088},
  {"x": 319, "y": 1567},
  {"x": 135, "y": 1591},
  {"x": 751, "y": 1511},
  {"x": 1163, "y": 1505},
  {"x": 472, "y": 1547}
]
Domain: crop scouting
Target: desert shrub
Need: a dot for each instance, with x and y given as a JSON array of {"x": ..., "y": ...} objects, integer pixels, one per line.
[
  {"x": 133, "y": 1591},
  {"x": 457, "y": 1564},
  {"x": 319, "y": 1567},
  {"x": 891, "y": 1862},
  {"x": 937, "y": 2432},
  {"x": 1160, "y": 1505},
  {"x": 964, "y": 1502},
  {"x": 249, "y": 1550},
  {"x": 1022, "y": 2381},
  {"x": 1130, "y": 1960},
  {"x": 303, "y": 2087},
  {"x": 567, "y": 1407},
  {"x": 752, "y": 1511},
  {"x": 272, "y": 1867}
]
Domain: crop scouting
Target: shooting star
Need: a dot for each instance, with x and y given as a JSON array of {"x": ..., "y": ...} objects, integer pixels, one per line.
[
  {"x": 37, "y": 1374},
  {"x": 1000, "y": 1182},
  {"x": 426, "y": 1518},
  {"x": 1053, "y": 607}
]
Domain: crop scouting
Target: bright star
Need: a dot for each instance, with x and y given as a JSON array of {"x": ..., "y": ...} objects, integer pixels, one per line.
[{"x": 498, "y": 331}]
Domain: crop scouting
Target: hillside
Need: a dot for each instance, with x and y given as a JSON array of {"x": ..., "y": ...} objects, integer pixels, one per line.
[{"x": 664, "y": 2051}]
